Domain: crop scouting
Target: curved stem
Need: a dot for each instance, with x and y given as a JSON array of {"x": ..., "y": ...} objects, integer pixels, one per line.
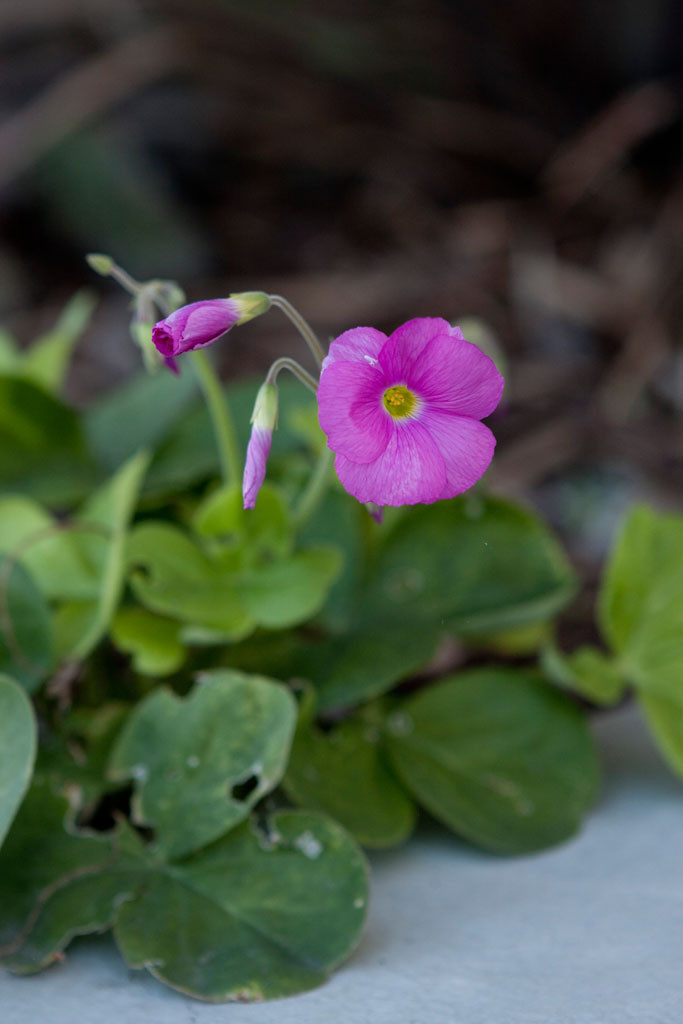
[
  {"x": 285, "y": 363},
  {"x": 315, "y": 489},
  {"x": 302, "y": 326},
  {"x": 223, "y": 426}
]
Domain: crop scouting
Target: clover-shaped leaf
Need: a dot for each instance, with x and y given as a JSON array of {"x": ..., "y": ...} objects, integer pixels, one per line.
[
  {"x": 200, "y": 763},
  {"x": 256, "y": 915}
]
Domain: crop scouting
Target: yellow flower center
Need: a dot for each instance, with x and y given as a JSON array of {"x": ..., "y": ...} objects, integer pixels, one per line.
[{"x": 399, "y": 401}]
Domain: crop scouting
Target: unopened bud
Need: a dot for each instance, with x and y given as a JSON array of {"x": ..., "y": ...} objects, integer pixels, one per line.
[{"x": 263, "y": 421}]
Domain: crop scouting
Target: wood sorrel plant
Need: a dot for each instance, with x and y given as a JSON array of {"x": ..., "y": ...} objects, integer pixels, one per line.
[{"x": 230, "y": 701}]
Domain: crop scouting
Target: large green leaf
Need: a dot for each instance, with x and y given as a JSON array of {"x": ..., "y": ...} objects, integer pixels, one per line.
[
  {"x": 344, "y": 773},
  {"x": 190, "y": 758},
  {"x": 17, "y": 749},
  {"x": 472, "y": 565},
  {"x": 498, "y": 756},
  {"x": 25, "y": 627},
  {"x": 256, "y": 915},
  {"x": 263, "y": 916},
  {"x": 641, "y": 602}
]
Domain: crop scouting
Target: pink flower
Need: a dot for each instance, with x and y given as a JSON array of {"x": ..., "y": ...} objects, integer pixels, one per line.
[
  {"x": 263, "y": 423},
  {"x": 403, "y": 413},
  {"x": 201, "y": 323}
]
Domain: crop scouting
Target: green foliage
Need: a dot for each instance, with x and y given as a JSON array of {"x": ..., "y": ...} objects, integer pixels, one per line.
[
  {"x": 498, "y": 757},
  {"x": 42, "y": 448},
  {"x": 152, "y": 641},
  {"x": 41, "y": 849},
  {"x": 18, "y": 739},
  {"x": 474, "y": 565},
  {"x": 25, "y": 627},
  {"x": 239, "y": 572},
  {"x": 469, "y": 567},
  {"x": 188, "y": 757},
  {"x": 346, "y": 774}
]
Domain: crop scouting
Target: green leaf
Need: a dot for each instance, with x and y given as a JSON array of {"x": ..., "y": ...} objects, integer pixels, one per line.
[
  {"x": 41, "y": 848},
  {"x": 498, "y": 756},
  {"x": 141, "y": 414},
  {"x": 262, "y": 916},
  {"x": 641, "y": 602},
  {"x": 46, "y": 362},
  {"x": 18, "y": 738},
  {"x": 50, "y": 554},
  {"x": 473, "y": 565},
  {"x": 25, "y": 627},
  {"x": 107, "y": 516},
  {"x": 172, "y": 576},
  {"x": 74, "y": 760},
  {"x": 586, "y": 671},
  {"x": 353, "y": 668},
  {"x": 264, "y": 530},
  {"x": 81, "y": 903},
  {"x": 42, "y": 450},
  {"x": 664, "y": 715},
  {"x": 188, "y": 757},
  {"x": 341, "y": 521},
  {"x": 344, "y": 773},
  {"x": 152, "y": 641},
  {"x": 291, "y": 590},
  {"x": 254, "y": 916}
]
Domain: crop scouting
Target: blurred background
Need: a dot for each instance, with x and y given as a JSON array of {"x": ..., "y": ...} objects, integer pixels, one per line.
[{"x": 519, "y": 162}]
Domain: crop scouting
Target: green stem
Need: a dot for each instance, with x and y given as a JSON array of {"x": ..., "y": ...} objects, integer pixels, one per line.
[
  {"x": 223, "y": 426},
  {"x": 302, "y": 326},
  {"x": 315, "y": 489}
]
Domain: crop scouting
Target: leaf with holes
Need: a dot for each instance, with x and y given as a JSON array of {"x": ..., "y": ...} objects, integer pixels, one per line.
[
  {"x": 200, "y": 763},
  {"x": 498, "y": 756},
  {"x": 256, "y": 915}
]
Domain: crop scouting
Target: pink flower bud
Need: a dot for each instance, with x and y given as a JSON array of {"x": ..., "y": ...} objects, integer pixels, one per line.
[
  {"x": 201, "y": 323},
  {"x": 263, "y": 423}
]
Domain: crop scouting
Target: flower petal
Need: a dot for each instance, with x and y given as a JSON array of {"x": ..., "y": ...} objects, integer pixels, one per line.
[
  {"x": 360, "y": 344},
  {"x": 466, "y": 446},
  {"x": 258, "y": 451},
  {"x": 458, "y": 377},
  {"x": 406, "y": 344},
  {"x": 194, "y": 326},
  {"x": 351, "y": 412},
  {"x": 411, "y": 470}
]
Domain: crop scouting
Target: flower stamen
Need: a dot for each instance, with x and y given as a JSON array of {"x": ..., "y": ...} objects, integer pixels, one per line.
[{"x": 399, "y": 401}]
